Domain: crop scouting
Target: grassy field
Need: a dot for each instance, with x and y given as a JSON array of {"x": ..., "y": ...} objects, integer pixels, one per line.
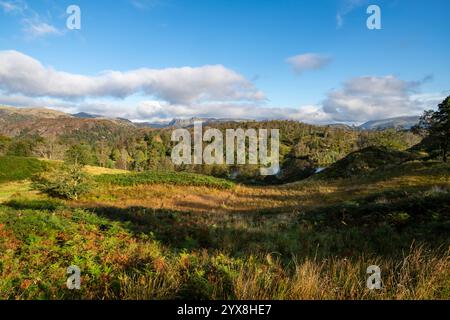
[
  {"x": 92, "y": 170},
  {"x": 9, "y": 190},
  {"x": 146, "y": 236}
]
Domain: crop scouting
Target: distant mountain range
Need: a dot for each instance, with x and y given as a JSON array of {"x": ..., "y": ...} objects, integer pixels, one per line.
[
  {"x": 179, "y": 123},
  {"x": 390, "y": 123},
  {"x": 49, "y": 122},
  {"x": 395, "y": 123},
  {"x": 398, "y": 123},
  {"x": 84, "y": 115}
]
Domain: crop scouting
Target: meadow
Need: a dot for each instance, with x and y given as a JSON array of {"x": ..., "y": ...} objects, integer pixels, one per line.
[{"x": 148, "y": 236}]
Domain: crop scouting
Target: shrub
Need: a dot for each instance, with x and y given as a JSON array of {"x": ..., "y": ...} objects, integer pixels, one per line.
[{"x": 67, "y": 182}]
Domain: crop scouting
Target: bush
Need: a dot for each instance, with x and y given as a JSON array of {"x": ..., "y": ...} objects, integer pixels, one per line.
[{"x": 67, "y": 182}]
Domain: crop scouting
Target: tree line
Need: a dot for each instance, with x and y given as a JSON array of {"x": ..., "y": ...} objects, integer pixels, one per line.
[{"x": 303, "y": 147}]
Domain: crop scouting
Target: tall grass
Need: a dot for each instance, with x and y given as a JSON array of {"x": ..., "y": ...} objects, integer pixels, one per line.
[
  {"x": 131, "y": 259},
  {"x": 418, "y": 275}
]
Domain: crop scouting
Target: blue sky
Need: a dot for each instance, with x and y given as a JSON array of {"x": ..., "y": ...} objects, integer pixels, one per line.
[{"x": 314, "y": 61}]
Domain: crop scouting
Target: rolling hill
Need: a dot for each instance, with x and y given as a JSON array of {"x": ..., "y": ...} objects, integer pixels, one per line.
[
  {"x": 50, "y": 123},
  {"x": 391, "y": 123},
  {"x": 365, "y": 161}
]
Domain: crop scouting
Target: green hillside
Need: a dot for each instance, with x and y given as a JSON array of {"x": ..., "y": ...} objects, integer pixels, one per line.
[
  {"x": 161, "y": 177},
  {"x": 365, "y": 161},
  {"x": 19, "y": 168}
]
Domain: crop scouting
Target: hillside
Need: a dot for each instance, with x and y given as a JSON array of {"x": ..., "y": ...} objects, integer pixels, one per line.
[
  {"x": 391, "y": 123},
  {"x": 85, "y": 115},
  {"x": 30, "y": 113},
  {"x": 51, "y": 124},
  {"x": 364, "y": 162},
  {"x": 19, "y": 168}
]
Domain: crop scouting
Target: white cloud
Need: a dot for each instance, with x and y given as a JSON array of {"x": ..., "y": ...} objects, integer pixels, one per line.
[
  {"x": 308, "y": 61},
  {"x": 370, "y": 98},
  {"x": 161, "y": 111},
  {"x": 21, "y": 74},
  {"x": 35, "y": 29},
  {"x": 13, "y": 6},
  {"x": 33, "y": 24},
  {"x": 157, "y": 111},
  {"x": 352, "y": 108},
  {"x": 347, "y": 7},
  {"x": 23, "y": 101}
]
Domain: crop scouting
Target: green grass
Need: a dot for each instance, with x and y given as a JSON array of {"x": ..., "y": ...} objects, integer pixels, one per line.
[
  {"x": 312, "y": 240},
  {"x": 10, "y": 189},
  {"x": 19, "y": 168},
  {"x": 160, "y": 177}
]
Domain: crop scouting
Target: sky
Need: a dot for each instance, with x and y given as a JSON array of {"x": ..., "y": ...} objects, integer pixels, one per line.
[{"x": 154, "y": 60}]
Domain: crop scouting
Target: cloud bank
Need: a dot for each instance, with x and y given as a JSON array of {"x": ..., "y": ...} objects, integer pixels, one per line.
[
  {"x": 207, "y": 91},
  {"x": 22, "y": 74},
  {"x": 365, "y": 98}
]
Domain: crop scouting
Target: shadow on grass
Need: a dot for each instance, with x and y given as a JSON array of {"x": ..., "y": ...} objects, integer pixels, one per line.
[
  {"x": 186, "y": 230},
  {"x": 347, "y": 229}
]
